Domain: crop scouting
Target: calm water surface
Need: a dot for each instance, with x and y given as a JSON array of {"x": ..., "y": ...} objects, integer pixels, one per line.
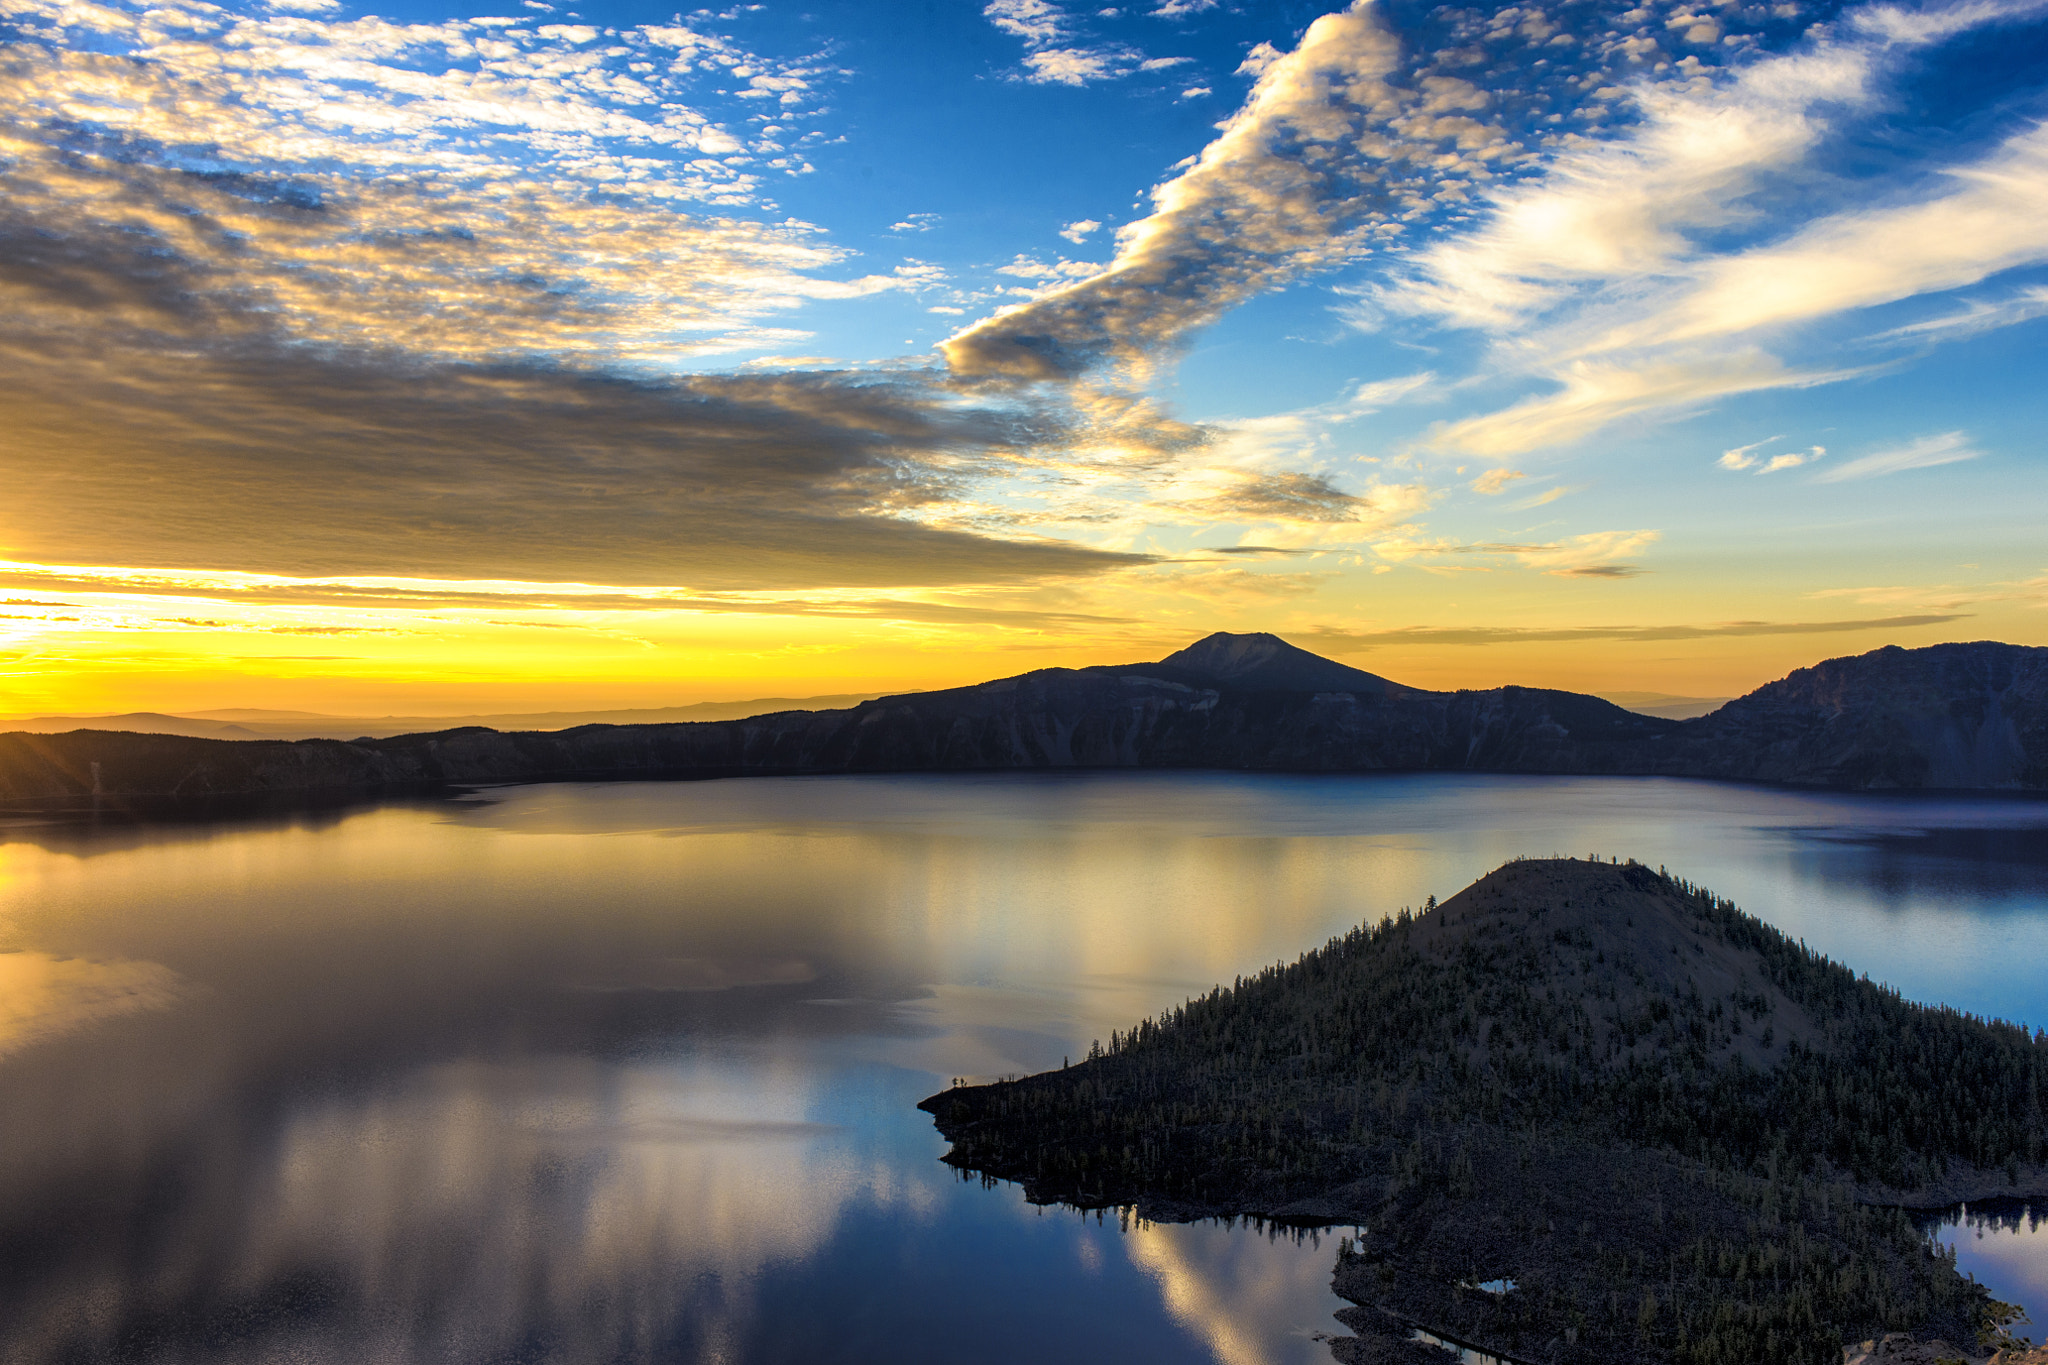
[{"x": 626, "y": 1072}]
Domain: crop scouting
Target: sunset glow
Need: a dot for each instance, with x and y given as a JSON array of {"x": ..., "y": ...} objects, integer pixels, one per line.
[{"x": 440, "y": 364}]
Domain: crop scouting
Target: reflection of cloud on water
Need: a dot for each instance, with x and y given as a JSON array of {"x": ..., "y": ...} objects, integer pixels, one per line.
[
  {"x": 1242, "y": 1294},
  {"x": 584, "y": 1210},
  {"x": 634, "y": 1205},
  {"x": 43, "y": 997}
]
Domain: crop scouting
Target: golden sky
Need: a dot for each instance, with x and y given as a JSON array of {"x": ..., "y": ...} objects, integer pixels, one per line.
[{"x": 442, "y": 365}]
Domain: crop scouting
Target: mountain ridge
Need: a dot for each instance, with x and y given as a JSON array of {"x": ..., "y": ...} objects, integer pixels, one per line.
[{"x": 1964, "y": 716}]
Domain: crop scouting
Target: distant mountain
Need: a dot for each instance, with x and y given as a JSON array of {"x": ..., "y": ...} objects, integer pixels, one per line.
[
  {"x": 136, "y": 722},
  {"x": 1946, "y": 716},
  {"x": 1964, "y": 716},
  {"x": 258, "y": 723},
  {"x": 1267, "y": 663}
]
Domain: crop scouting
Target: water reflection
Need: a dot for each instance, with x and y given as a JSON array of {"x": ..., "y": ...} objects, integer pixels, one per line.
[
  {"x": 627, "y": 1072},
  {"x": 2003, "y": 1243}
]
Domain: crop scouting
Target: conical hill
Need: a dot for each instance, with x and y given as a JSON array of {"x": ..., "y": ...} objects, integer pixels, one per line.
[{"x": 1592, "y": 1079}]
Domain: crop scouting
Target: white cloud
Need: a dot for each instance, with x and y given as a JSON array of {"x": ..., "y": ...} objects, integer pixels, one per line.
[
  {"x": 1163, "y": 63},
  {"x": 1250, "y": 212},
  {"x": 1496, "y": 480},
  {"x": 1051, "y": 57},
  {"x": 1261, "y": 56},
  {"x": 1618, "y": 210},
  {"x": 1194, "y": 92},
  {"x": 1035, "y": 21},
  {"x": 1976, "y": 315},
  {"x": 1950, "y": 447},
  {"x": 1175, "y": 9},
  {"x": 1075, "y": 65},
  {"x": 1031, "y": 268},
  {"x": 1078, "y": 231},
  {"x": 483, "y": 189},
  {"x": 1600, "y": 275},
  {"x": 1997, "y": 219},
  {"x": 1743, "y": 457},
  {"x": 1792, "y": 460},
  {"x": 1593, "y": 394}
]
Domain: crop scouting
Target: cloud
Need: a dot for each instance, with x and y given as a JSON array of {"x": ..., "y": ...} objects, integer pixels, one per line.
[
  {"x": 470, "y": 190},
  {"x": 1510, "y": 635},
  {"x": 915, "y": 222},
  {"x": 1035, "y": 21},
  {"x": 1950, "y": 447},
  {"x": 1976, "y": 315},
  {"x": 1051, "y": 58},
  {"x": 1250, "y": 212},
  {"x": 1284, "y": 497},
  {"x": 345, "y": 295},
  {"x": 1195, "y": 92},
  {"x": 1792, "y": 460},
  {"x": 125, "y": 593},
  {"x": 1593, "y": 554},
  {"x": 1745, "y": 458},
  {"x": 1548, "y": 496},
  {"x": 299, "y": 463},
  {"x": 1995, "y": 220},
  {"x": 1594, "y": 394},
  {"x": 1610, "y": 274},
  {"x": 1496, "y": 480},
  {"x": 1742, "y": 457},
  {"x": 1079, "y": 230},
  {"x": 1601, "y": 571},
  {"x": 1618, "y": 208}
]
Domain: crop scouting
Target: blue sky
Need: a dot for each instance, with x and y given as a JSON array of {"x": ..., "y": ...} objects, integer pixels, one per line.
[{"x": 1658, "y": 346}]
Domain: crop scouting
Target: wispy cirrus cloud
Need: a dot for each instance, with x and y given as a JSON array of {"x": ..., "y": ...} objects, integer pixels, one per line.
[
  {"x": 1605, "y": 275},
  {"x": 1342, "y": 640},
  {"x": 1949, "y": 447},
  {"x": 1594, "y": 554}
]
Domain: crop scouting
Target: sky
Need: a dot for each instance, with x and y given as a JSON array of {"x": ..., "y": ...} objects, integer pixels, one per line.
[{"x": 437, "y": 359}]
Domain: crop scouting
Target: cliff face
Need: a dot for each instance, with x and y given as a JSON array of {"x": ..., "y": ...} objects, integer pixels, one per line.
[{"x": 1949, "y": 716}]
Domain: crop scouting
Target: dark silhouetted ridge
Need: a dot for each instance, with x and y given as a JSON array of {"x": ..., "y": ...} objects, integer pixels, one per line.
[
  {"x": 1951, "y": 716},
  {"x": 1267, "y": 663}
]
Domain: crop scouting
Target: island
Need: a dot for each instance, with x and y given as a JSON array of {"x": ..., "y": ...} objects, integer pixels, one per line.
[
  {"x": 1952, "y": 716},
  {"x": 1583, "y": 1112}
]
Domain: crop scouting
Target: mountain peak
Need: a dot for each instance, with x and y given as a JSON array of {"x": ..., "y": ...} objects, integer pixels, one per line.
[{"x": 1263, "y": 662}]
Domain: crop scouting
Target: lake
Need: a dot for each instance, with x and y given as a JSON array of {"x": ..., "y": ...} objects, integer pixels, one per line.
[{"x": 625, "y": 1072}]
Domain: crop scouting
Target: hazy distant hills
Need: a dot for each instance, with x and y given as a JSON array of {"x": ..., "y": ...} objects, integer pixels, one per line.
[
  {"x": 1947, "y": 716},
  {"x": 256, "y": 723}
]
